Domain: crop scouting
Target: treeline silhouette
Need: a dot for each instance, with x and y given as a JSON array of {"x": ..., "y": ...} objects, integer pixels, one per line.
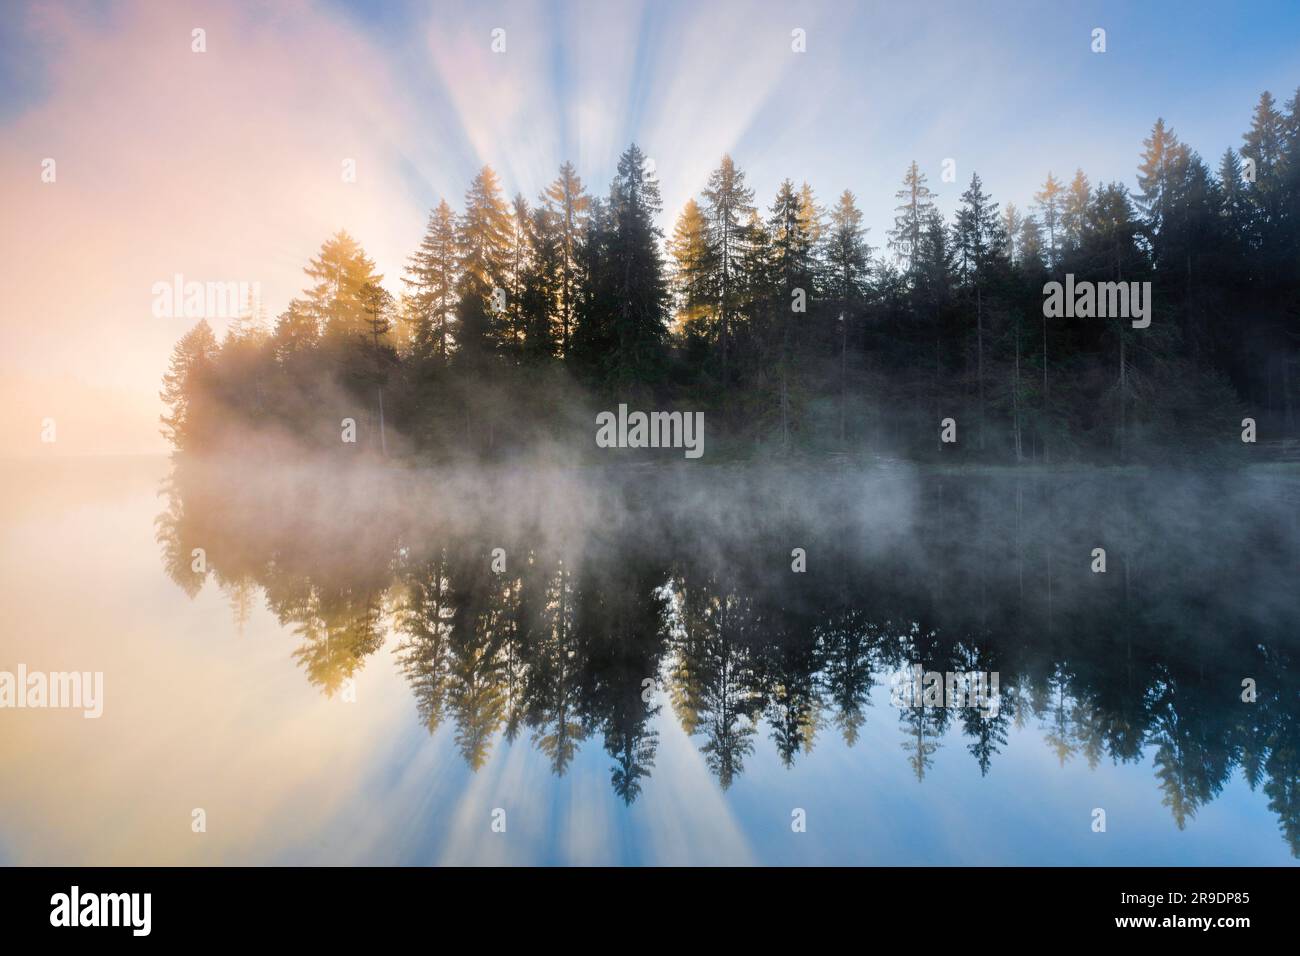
[
  {"x": 788, "y": 328},
  {"x": 582, "y": 634}
]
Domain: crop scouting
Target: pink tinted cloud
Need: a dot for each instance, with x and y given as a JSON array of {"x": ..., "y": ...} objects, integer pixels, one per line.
[{"x": 223, "y": 166}]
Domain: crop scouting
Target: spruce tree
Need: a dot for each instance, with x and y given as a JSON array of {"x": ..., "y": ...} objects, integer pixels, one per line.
[
  {"x": 483, "y": 240},
  {"x": 847, "y": 254},
  {"x": 340, "y": 269},
  {"x": 910, "y": 220},
  {"x": 727, "y": 204},
  {"x": 978, "y": 238},
  {"x": 692, "y": 266},
  {"x": 185, "y": 387},
  {"x": 640, "y": 318},
  {"x": 1074, "y": 212},
  {"x": 431, "y": 276},
  {"x": 570, "y": 207},
  {"x": 1049, "y": 200}
]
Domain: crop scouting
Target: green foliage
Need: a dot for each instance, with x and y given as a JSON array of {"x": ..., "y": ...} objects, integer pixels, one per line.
[{"x": 518, "y": 320}]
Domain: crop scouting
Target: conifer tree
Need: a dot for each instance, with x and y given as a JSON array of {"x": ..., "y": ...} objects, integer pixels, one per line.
[
  {"x": 1074, "y": 211},
  {"x": 483, "y": 239},
  {"x": 570, "y": 206},
  {"x": 1012, "y": 222},
  {"x": 640, "y": 318},
  {"x": 977, "y": 238},
  {"x": 187, "y": 378},
  {"x": 692, "y": 266},
  {"x": 431, "y": 277},
  {"x": 1164, "y": 162},
  {"x": 727, "y": 204},
  {"x": 792, "y": 241},
  {"x": 1265, "y": 145},
  {"x": 518, "y": 266},
  {"x": 910, "y": 220},
  {"x": 847, "y": 255},
  {"x": 340, "y": 269},
  {"x": 1049, "y": 200},
  {"x": 542, "y": 286}
]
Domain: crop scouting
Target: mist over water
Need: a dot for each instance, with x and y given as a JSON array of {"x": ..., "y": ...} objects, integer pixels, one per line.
[
  {"x": 638, "y": 675},
  {"x": 578, "y": 610}
]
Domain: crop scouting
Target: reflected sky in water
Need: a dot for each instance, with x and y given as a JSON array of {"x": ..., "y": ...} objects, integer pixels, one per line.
[{"x": 526, "y": 690}]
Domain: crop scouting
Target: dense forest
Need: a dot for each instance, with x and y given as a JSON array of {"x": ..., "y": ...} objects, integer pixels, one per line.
[{"x": 517, "y": 321}]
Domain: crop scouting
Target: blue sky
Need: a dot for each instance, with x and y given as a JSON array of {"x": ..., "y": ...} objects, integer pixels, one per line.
[{"x": 1007, "y": 89}]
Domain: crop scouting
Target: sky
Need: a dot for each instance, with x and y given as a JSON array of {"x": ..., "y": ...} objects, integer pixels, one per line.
[{"x": 225, "y": 165}]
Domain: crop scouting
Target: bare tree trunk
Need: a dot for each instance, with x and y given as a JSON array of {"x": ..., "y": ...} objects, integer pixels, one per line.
[
  {"x": 979, "y": 325},
  {"x": 1123, "y": 388},
  {"x": 844, "y": 384},
  {"x": 1045, "y": 403},
  {"x": 785, "y": 404},
  {"x": 1015, "y": 396},
  {"x": 1286, "y": 393}
]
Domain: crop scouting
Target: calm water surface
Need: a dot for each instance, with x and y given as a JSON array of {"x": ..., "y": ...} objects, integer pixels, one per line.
[{"x": 355, "y": 672}]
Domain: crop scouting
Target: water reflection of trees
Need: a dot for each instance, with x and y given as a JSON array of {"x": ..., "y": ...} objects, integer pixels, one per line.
[{"x": 583, "y": 638}]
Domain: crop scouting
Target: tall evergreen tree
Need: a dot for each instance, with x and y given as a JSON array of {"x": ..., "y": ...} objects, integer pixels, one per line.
[
  {"x": 847, "y": 254},
  {"x": 542, "y": 286},
  {"x": 619, "y": 338},
  {"x": 570, "y": 206},
  {"x": 978, "y": 239},
  {"x": 727, "y": 203},
  {"x": 910, "y": 219},
  {"x": 431, "y": 277},
  {"x": 1074, "y": 212},
  {"x": 1049, "y": 200},
  {"x": 340, "y": 269},
  {"x": 188, "y": 377},
  {"x": 1164, "y": 162},
  {"x": 693, "y": 266},
  {"x": 483, "y": 238}
]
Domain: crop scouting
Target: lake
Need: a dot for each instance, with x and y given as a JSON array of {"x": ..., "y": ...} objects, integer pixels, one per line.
[{"x": 330, "y": 662}]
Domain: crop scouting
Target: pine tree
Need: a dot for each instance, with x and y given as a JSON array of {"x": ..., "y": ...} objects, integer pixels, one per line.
[
  {"x": 1029, "y": 245},
  {"x": 847, "y": 252},
  {"x": 693, "y": 266},
  {"x": 377, "y": 304},
  {"x": 340, "y": 269},
  {"x": 792, "y": 241},
  {"x": 812, "y": 220},
  {"x": 1265, "y": 145},
  {"x": 295, "y": 332},
  {"x": 542, "y": 286},
  {"x": 977, "y": 238},
  {"x": 1290, "y": 207},
  {"x": 570, "y": 206},
  {"x": 1114, "y": 231},
  {"x": 431, "y": 277},
  {"x": 518, "y": 266},
  {"x": 184, "y": 387},
  {"x": 1049, "y": 200},
  {"x": 1164, "y": 161},
  {"x": 1012, "y": 222},
  {"x": 756, "y": 280},
  {"x": 727, "y": 204},
  {"x": 917, "y": 202},
  {"x": 1234, "y": 207},
  {"x": 483, "y": 240},
  {"x": 1074, "y": 211},
  {"x": 847, "y": 255},
  {"x": 640, "y": 319}
]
